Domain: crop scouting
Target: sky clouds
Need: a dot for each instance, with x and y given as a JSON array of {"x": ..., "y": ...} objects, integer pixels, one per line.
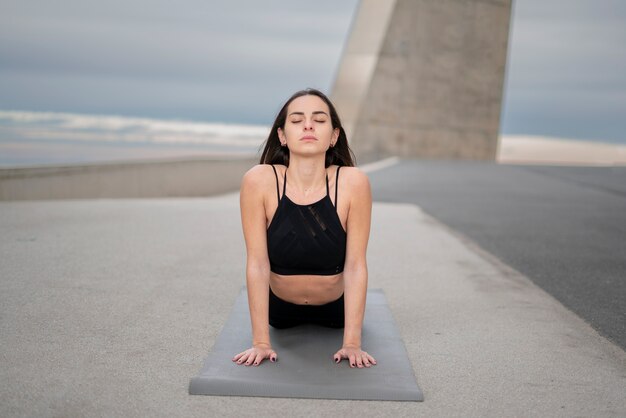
[
  {"x": 229, "y": 61},
  {"x": 237, "y": 61},
  {"x": 567, "y": 69}
]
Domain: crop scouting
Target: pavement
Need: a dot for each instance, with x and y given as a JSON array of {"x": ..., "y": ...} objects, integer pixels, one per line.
[
  {"x": 563, "y": 227},
  {"x": 109, "y": 306}
]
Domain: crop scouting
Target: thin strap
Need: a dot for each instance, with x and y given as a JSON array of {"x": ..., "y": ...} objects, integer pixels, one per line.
[
  {"x": 277, "y": 192},
  {"x": 285, "y": 182},
  {"x": 327, "y": 192},
  {"x": 336, "y": 185}
]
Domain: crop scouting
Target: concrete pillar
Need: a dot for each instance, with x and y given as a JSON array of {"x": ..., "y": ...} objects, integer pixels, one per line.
[{"x": 424, "y": 78}]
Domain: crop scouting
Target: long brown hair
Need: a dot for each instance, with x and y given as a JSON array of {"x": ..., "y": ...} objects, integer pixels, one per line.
[{"x": 274, "y": 153}]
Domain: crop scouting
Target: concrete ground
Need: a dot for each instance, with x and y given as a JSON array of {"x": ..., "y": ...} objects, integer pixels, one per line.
[
  {"x": 108, "y": 307},
  {"x": 563, "y": 227}
]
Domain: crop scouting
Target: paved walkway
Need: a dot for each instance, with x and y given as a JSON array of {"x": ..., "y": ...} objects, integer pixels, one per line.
[
  {"x": 108, "y": 307},
  {"x": 562, "y": 227}
]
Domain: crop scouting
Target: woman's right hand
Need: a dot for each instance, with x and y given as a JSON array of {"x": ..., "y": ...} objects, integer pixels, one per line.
[{"x": 255, "y": 355}]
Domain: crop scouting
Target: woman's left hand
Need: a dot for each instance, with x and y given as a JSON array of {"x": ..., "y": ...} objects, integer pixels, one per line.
[{"x": 356, "y": 357}]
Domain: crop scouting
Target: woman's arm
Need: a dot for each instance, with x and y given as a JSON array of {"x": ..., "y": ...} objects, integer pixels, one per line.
[
  {"x": 355, "y": 268},
  {"x": 253, "y": 222}
]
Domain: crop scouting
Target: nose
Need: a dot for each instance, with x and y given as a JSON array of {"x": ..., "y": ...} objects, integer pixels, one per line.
[{"x": 308, "y": 124}]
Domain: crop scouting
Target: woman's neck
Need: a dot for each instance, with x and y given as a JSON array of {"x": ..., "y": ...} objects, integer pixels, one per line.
[{"x": 306, "y": 177}]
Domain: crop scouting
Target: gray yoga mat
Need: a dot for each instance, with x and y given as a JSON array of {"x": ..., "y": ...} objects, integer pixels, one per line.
[{"x": 305, "y": 367}]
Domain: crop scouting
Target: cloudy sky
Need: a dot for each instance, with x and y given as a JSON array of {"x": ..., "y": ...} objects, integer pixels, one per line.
[{"x": 236, "y": 61}]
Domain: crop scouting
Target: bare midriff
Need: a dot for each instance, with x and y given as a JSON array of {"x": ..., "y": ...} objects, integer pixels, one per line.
[{"x": 304, "y": 289}]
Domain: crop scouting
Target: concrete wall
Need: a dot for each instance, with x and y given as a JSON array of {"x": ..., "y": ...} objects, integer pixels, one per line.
[
  {"x": 435, "y": 87},
  {"x": 175, "y": 178}
]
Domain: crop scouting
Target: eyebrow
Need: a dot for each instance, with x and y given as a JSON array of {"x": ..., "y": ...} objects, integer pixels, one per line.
[{"x": 319, "y": 112}]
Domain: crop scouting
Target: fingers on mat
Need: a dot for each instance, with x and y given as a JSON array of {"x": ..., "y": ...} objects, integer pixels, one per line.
[{"x": 255, "y": 359}]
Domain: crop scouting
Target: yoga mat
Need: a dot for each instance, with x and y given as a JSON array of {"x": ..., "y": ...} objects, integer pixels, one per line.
[{"x": 305, "y": 367}]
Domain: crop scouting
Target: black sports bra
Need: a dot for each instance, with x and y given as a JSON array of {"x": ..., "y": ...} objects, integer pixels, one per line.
[{"x": 306, "y": 239}]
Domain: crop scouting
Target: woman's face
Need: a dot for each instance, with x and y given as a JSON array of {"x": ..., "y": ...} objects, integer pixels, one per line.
[{"x": 308, "y": 127}]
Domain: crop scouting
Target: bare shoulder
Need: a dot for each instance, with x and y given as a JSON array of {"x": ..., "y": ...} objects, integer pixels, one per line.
[
  {"x": 355, "y": 179},
  {"x": 258, "y": 177}
]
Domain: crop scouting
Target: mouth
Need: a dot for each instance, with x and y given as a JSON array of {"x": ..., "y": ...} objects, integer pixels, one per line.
[{"x": 308, "y": 137}]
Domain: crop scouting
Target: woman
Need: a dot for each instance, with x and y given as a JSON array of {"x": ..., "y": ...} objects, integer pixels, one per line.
[{"x": 305, "y": 250}]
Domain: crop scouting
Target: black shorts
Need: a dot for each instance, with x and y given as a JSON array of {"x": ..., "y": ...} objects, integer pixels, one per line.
[{"x": 283, "y": 314}]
